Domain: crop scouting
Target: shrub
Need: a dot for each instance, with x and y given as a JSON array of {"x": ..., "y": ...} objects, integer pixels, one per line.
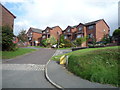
[
  {"x": 7, "y": 37},
  {"x": 67, "y": 43},
  {"x": 116, "y": 35},
  {"x": 51, "y": 41},
  {"x": 44, "y": 43},
  {"x": 79, "y": 41}
]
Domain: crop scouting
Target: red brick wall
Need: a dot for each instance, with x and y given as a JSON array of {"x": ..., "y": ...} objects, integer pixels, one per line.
[
  {"x": 92, "y": 31},
  {"x": 100, "y": 27},
  {"x": 84, "y": 44},
  {"x": 36, "y": 36},
  {"x": 54, "y": 31},
  {"x": 0, "y": 15},
  {"x": 7, "y": 18}
]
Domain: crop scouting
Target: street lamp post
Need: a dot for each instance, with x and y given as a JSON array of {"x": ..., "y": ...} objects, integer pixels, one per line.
[{"x": 58, "y": 33}]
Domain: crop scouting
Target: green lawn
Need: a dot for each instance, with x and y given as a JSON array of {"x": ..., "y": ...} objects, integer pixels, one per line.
[
  {"x": 12, "y": 54},
  {"x": 95, "y": 64}
]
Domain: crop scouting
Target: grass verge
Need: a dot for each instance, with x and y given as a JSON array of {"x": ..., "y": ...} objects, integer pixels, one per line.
[
  {"x": 12, "y": 54},
  {"x": 95, "y": 64}
]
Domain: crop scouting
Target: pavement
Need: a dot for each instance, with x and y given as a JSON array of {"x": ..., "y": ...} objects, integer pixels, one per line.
[
  {"x": 27, "y": 71},
  {"x": 59, "y": 76}
]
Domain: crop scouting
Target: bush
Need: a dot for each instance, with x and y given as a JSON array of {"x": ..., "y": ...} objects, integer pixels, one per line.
[
  {"x": 67, "y": 43},
  {"x": 79, "y": 41},
  {"x": 7, "y": 37},
  {"x": 44, "y": 43},
  {"x": 51, "y": 41},
  {"x": 116, "y": 35}
]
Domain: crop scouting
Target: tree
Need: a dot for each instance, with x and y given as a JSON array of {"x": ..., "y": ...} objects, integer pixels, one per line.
[
  {"x": 116, "y": 35},
  {"x": 44, "y": 43},
  {"x": 80, "y": 40},
  {"x": 51, "y": 41},
  {"x": 106, "y": 39},
  {"x": 22, "y": 36},
  {"x": 7, "y": 37}
]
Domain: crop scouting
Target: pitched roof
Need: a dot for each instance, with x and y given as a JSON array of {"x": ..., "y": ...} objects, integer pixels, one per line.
[
  {"x": 53, "y": 27},
  {"x": 36, "y": 30},
  {"x": 7, "y": 10},
  {"x": 93, "y": 22}
]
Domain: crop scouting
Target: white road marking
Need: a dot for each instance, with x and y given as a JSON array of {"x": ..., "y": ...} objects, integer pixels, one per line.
[{"x": 26, "y": 67}]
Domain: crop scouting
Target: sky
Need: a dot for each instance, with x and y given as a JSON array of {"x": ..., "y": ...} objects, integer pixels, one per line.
[{"x": 43, "y": 13}]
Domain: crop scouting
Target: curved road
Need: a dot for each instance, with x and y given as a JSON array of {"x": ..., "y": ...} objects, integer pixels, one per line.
[{"x": 27, "y": 71}]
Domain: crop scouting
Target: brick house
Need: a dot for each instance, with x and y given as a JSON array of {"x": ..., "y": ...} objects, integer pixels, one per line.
[
  {"x": 81, "y": 32},
  {"x": 52, "y": 31},
  {"x": 69, "y": 32},
  {"x": 6, "y": 17},
  {"x": 97, "y": 30},
  {"x": 34, "y": 36}
]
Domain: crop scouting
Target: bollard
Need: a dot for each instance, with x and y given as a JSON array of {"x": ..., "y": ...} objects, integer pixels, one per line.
[
  {"x": 63, "y": 59},
  {"x": 66, "y": 61}
]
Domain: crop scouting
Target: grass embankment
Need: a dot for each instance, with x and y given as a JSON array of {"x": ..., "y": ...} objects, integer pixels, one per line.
[
  {"x": 12, "y": 54},
  {"x": 96, "y": 64}
]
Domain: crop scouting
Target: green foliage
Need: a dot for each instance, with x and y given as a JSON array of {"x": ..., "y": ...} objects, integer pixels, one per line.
[
  {"x": 44, "y": 43},
  {"x": 62, "y": 39},
  {"x": 7, "y": 37},
  {"x": 22, "y": 36},
  {"x": 79, "y": 41},
  {"x": 95, "y": 64},
  {"x": 116, "y": 35},
  {"x": 65, "y": 42},
  {"x": 105, "y": 39},
  {"x": 20, "y": 51},
  {"x": 51, "y": 41}
]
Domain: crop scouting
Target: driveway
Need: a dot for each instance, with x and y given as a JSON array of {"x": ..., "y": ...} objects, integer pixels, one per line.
[{"x": 27, "y": 71}]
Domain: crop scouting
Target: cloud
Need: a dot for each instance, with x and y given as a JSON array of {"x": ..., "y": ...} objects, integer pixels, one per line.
[{"x": 43, "y": 13}]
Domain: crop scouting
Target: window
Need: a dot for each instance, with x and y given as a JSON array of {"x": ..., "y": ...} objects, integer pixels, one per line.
[
  {"x": 80, "y": 28},
  {"x": 30, "y": 38},
  {"x": 90, "y": 27},
  {"x": 44, "y": 37},
  {"x": 48, "y": 36},
  {"x": 47, "y": 31},
  {"x": 79, "y": 36},
  {"x": 65, "y": 37},
  {"x": 90, "y": 35},
  {"x": 44, "y": 32},
  {"x": 68, "y": 30}
]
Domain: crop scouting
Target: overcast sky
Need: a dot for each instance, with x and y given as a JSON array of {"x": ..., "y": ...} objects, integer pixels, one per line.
[{"x": 43, "y": 13}]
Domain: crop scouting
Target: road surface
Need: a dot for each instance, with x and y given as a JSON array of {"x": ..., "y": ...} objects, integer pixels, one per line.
[{"x": 27, "y": 71}]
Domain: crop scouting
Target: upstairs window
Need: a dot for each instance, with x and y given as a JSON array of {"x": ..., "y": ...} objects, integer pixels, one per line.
[
  {"x": 90, "y": 27},
  {"x": 47, "y": 31},
  {"x": 80, "y": 28},
  {"x": 68, "y": 30}
]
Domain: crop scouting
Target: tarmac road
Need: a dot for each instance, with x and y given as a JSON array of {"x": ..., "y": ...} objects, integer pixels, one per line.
[{"x": 27, "y": 71}]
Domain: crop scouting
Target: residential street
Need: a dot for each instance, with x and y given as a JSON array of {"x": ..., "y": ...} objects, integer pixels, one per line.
[{"x": 27, "y": 71}]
